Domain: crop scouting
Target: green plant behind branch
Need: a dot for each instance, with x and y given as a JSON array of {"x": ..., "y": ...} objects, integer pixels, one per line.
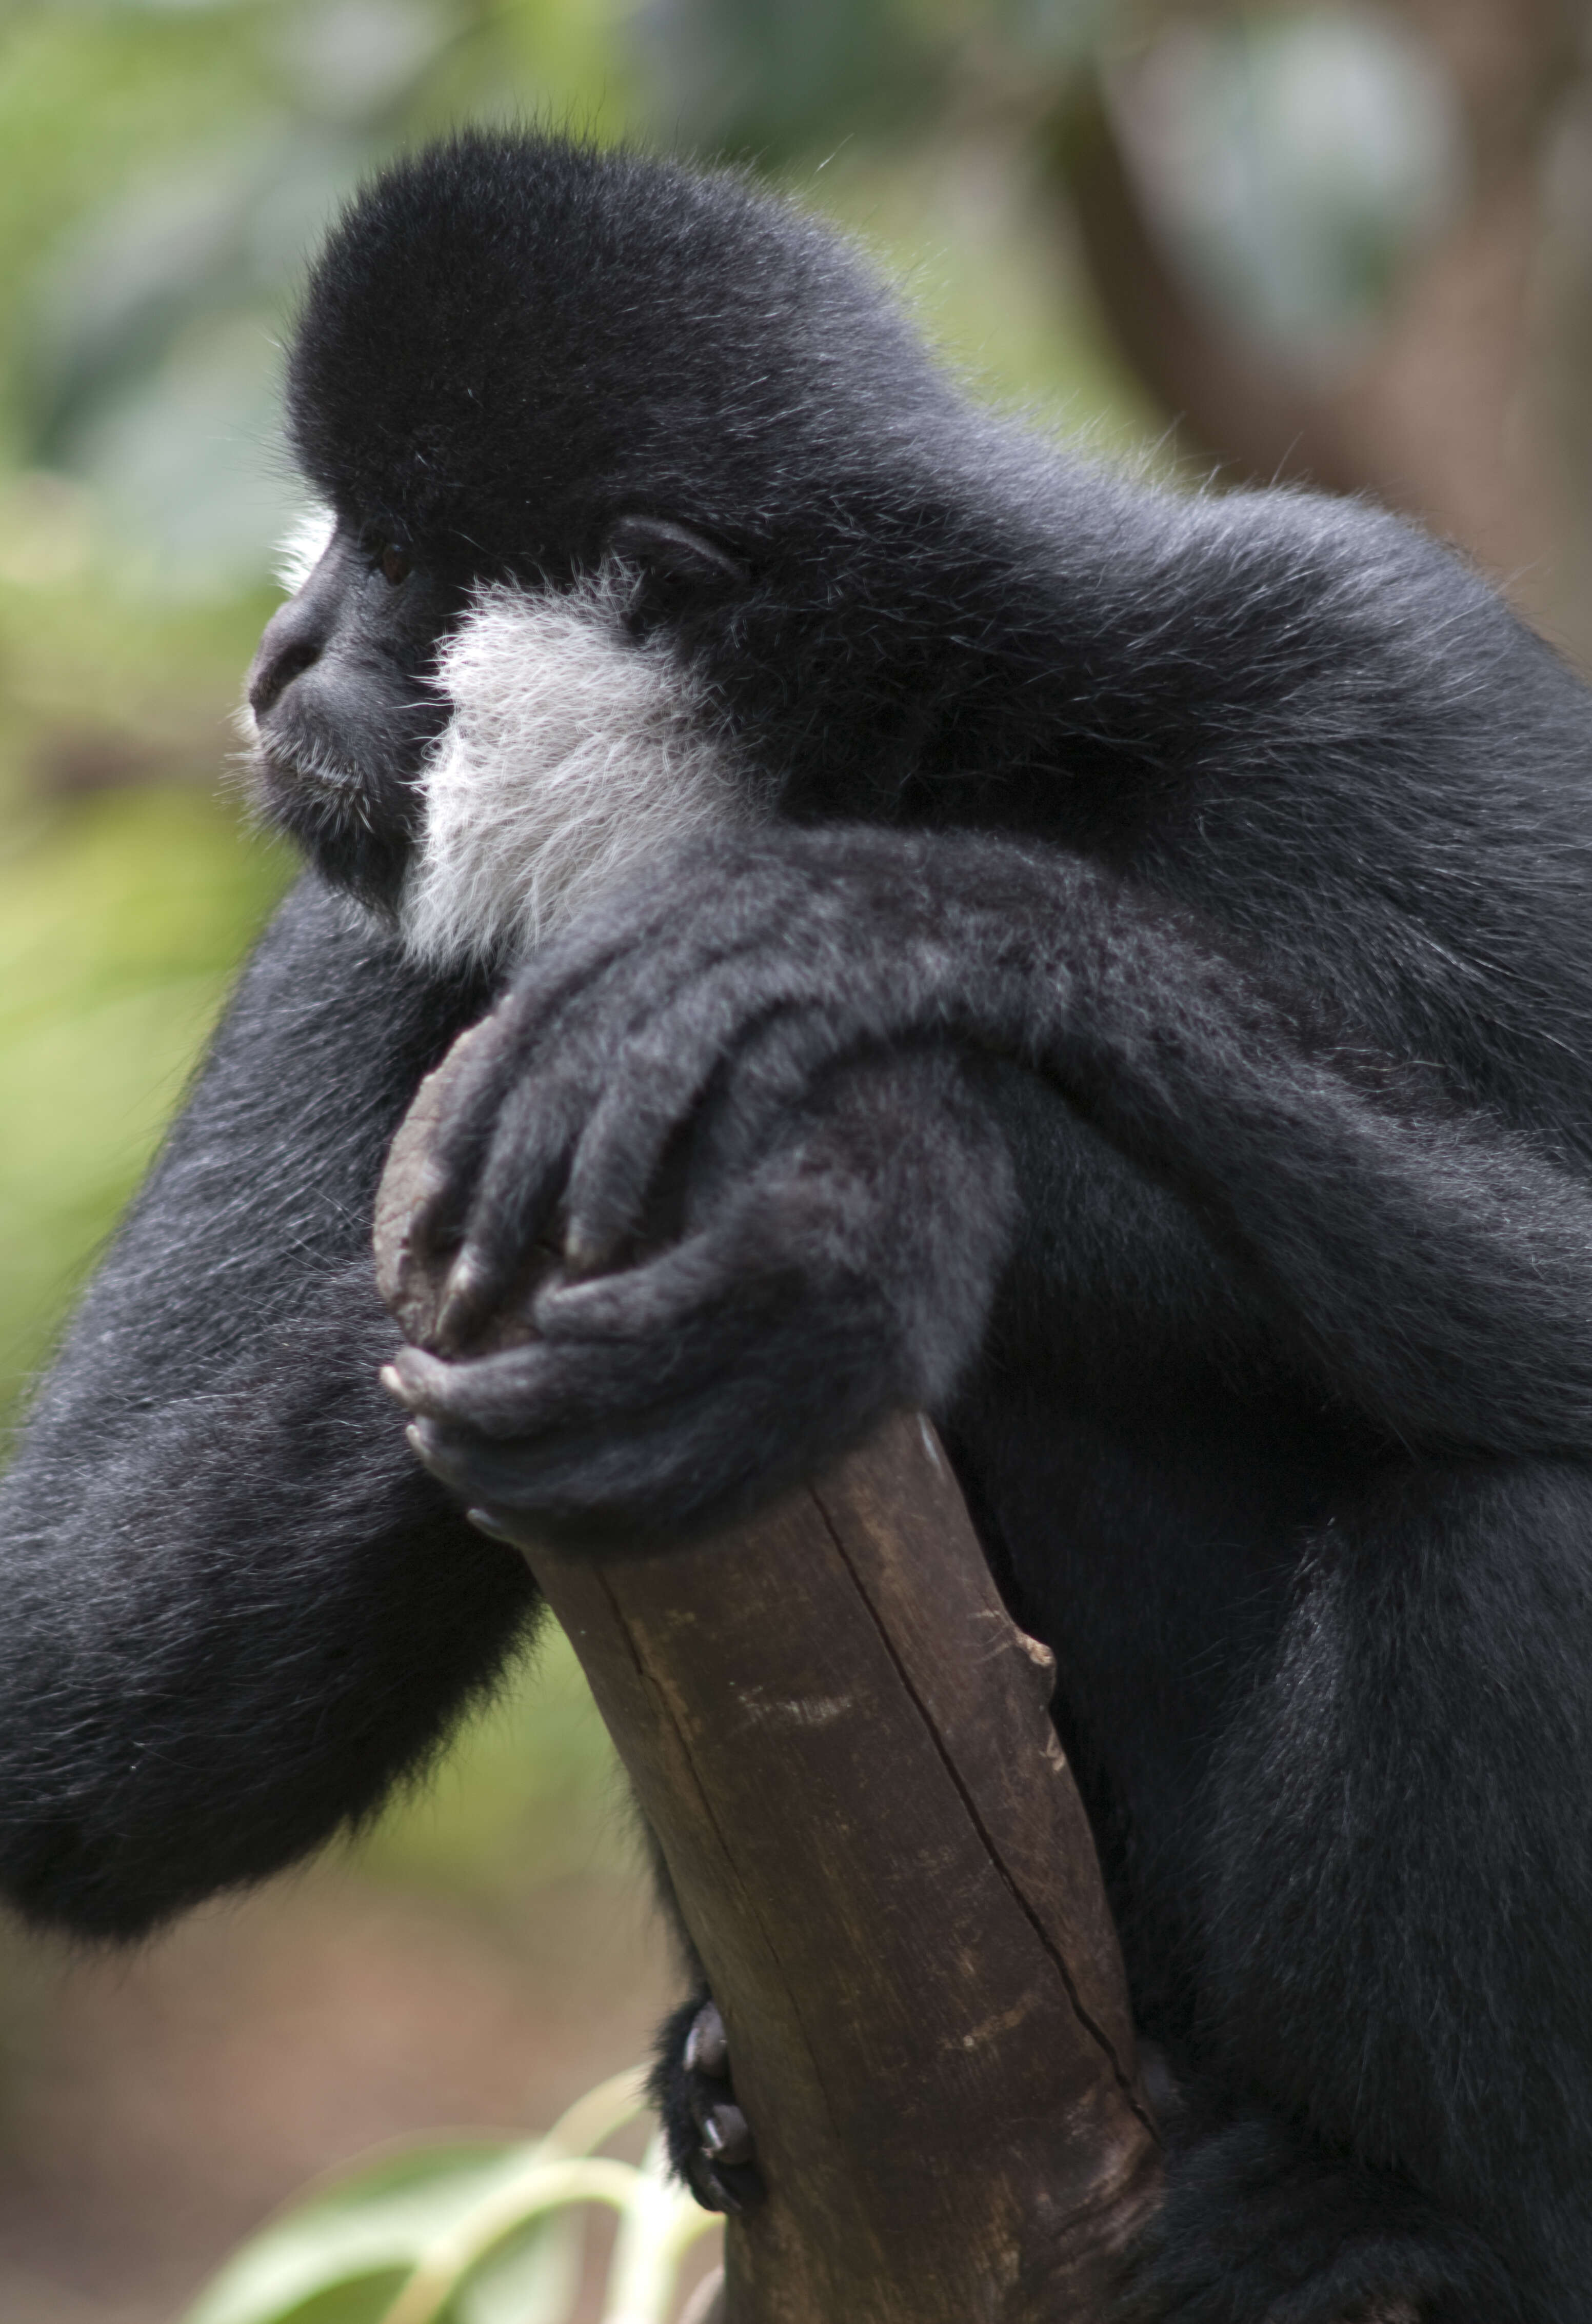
[{"x": 473, "y": 2231}]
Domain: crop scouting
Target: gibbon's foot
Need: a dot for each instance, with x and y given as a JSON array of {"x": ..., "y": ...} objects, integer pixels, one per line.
[{"x": 709, "y": 2141}]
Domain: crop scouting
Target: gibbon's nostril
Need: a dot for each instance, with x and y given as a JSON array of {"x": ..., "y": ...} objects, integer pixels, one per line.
[
  {"x": 276, "y": 668},
  {"x": 289, "y": 645}
]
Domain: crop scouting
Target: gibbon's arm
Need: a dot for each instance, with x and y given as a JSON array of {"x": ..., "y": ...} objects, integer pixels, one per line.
[
  {"x": 237, "y": 1607},
  {"x": 1427, "y": 1265}
]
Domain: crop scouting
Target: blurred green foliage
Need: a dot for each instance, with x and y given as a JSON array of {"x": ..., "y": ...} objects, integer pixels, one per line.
[
  {"x": 119, "y": 927},
  {"x": 475, "y": 2232}
]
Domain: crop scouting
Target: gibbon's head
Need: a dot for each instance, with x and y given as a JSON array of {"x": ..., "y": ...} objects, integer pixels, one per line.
[{"x": 596, "y": 438}]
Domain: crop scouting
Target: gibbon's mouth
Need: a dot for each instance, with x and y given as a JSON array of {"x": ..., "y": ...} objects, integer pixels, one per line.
[
  {"x": 347, "y": 830},
  {"x": 274, "y": 763},
  {"x": 286, "y": 771}
]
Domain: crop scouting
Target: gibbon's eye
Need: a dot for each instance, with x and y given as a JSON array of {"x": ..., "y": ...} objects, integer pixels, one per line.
[{"x": 397, "y": 564}]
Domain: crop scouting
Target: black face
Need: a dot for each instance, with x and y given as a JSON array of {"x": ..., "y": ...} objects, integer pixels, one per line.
[{"x": 345, "y": 705}]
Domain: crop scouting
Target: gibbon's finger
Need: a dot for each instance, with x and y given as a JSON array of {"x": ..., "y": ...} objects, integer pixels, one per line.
[
  {"x": 513, "y": 1206},
  {"x": 459, "y": 1145},
  {"x": 629, "y": 1480},
  {"x": 563, "y": 1018},
  {"x": 714, "y": 1304},
  {"x": 658, "y": 1073},
  {"x": 764, "y": 1040},
  {"x": 655, "y": 1088},
  {"x": 531, "y": 1390},
  {"x": 632, "y": 1490},
  {"x": 505, "y": 1048},
  {"x": 576, "y": 1419},
  {"x": 519, "y": 1138},
  {"x": 475, "y": 1291},
  {"x": 710, "y": 1298}
]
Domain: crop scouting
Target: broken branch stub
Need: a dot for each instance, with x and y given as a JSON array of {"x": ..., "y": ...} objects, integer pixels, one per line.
[{"x": 842, "y": 1742}]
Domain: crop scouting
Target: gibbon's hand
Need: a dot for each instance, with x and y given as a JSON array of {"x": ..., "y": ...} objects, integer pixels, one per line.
[
  {"x": 724, "y": 991},
  {"x": 845, "y": 1270}
]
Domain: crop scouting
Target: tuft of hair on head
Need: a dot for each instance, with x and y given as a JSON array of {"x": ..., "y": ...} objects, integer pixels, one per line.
[
  {"x": 302, "y": 546},
  {"x": 508, "y": 335},
  {"x": 576, "y": 754}
]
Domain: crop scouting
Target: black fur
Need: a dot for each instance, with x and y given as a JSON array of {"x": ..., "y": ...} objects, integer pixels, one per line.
[
  {"x": 1155, "y": 1036},
  {"x": 235, "y": 1605}
]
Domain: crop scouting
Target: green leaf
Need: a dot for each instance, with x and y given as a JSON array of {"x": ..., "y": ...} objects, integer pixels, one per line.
[
  {"x": 345, "y": 2256},
  {"x": 341, "y": 2257},
  {"x": 532, "y": 2281},
  {"x": 365, "y": 2299}
]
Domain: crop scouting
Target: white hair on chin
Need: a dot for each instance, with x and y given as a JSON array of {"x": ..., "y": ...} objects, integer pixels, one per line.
[
  {"x": 302, "y": 546},
  {"x": 576, "y": 754}
]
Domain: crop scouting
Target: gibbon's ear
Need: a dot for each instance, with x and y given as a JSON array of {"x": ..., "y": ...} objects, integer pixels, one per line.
[{"x": 673, "y": 552}]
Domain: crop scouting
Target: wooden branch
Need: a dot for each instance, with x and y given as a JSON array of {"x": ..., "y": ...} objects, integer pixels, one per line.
[{"x": 842, "y": 1742}]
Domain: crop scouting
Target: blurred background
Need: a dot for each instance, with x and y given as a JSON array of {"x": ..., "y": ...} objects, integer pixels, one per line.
[{"x": 1346, "y": 244}]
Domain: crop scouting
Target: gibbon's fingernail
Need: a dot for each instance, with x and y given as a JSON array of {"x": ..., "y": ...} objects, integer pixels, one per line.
[
  {"x": 461, "y": 1295},
  {"x": 484, "y": 1522},
  {"x": 707, "y": 2047},
  {"x": 727, "y": 2135},
  {"x": 393, "y": 1381},
  {"x": 583, "y": 1254},
  {"x": 711, "y": 2192}
]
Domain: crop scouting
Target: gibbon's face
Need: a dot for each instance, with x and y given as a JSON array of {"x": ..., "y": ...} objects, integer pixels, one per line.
[
  {"x": 341, "y": 704},
  {"x": 567, "y": 413},
  {"x": 472, "y": 758}
]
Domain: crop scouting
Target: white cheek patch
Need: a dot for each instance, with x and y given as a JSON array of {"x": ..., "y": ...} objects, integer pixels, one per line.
[
  {"x": 302, "y": 546},
  {"x": 575, "y": 754}
]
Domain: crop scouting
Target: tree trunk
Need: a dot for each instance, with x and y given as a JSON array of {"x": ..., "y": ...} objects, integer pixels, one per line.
[
  {"x": 1442, "y": 417},
  {"x": 842, "y": 1742}
]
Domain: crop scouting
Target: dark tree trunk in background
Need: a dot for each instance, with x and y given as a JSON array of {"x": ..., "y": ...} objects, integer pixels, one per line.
[
  {"x": 842, "y": 1742},
  {"x": 1446, "y": 416}
]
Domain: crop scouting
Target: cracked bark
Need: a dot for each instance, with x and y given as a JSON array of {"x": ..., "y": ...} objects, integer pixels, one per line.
[{"x": 842, "y": 1743}]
